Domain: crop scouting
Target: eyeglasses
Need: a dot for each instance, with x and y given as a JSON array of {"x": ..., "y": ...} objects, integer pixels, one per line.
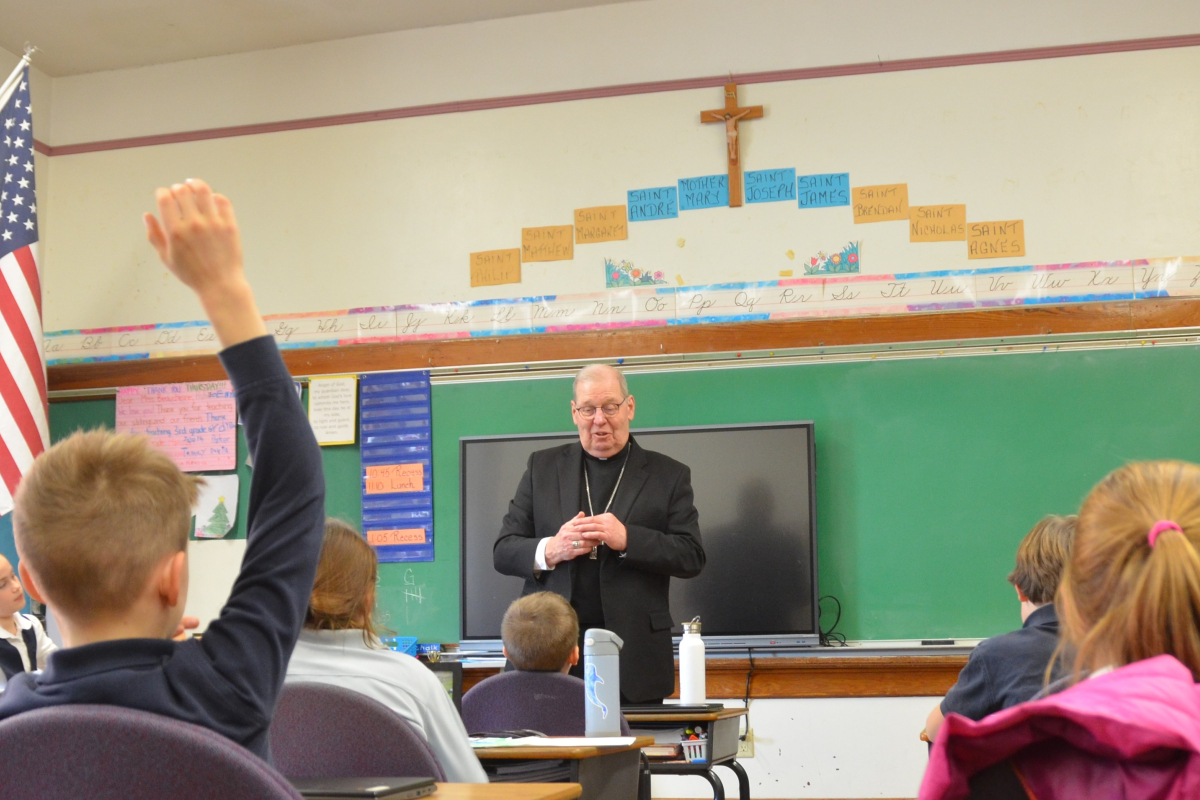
[{"x": 609, "y": 409}]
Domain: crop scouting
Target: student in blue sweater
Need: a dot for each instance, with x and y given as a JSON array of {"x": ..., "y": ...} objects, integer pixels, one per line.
[{"x": 101, "y": 523}]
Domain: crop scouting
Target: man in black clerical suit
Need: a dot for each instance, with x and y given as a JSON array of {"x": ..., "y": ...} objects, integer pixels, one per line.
[{"x": 607, "y": 524}]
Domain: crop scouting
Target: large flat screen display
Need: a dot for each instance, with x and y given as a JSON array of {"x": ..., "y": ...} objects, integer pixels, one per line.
[{"x": 754, "y": 492}]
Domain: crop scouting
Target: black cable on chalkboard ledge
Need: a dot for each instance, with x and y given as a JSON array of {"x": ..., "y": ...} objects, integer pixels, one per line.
[{"x": 830, "y": 637}]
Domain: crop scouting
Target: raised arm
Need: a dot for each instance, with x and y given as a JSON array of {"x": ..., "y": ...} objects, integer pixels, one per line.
[{"x": 250, "y": 643}]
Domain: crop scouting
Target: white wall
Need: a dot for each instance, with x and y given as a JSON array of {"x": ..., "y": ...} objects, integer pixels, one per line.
[
  {"x": 836, "y": 747},
  {"x": 1097, "y": 154},
  {"x": 601, "y": 46}
]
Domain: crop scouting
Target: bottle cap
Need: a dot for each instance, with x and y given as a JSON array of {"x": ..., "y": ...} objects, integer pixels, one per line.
[{"x": 692, "y": 627}]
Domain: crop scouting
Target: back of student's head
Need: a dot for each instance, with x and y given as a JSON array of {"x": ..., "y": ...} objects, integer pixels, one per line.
[
  {"x": 343, "y": 596},
  {"x": 1042, "y": 557},
  {"x": 95, "y": 515},
  {"x": 540, "y": 631},
  {"x": 1128, "y": 596}
]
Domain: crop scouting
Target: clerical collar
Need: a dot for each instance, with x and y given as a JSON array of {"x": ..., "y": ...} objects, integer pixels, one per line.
[{"x": 613, "y": 456}]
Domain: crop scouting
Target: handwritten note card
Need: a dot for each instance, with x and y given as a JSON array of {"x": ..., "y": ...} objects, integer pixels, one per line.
[
  {"x": 648, "y": 204},
  {"x": 996, "y": 239},
  {"x": 331, "y": 406},
  {"x": 880, "y": 203},
  {"x": 823, "y": 191},
  {"x": 770, "y": 185},
  {"x": 193, "y": 423},
  {"x": 710, "y": 191},
  {"x": 937, "y": 223},
  {"x": 494, "y": 267},
  {"x": 392, "y": 478},
  {"x": 549, "y": 243},
  {"x": 403, "y": 536},
  {"x": 600, "y": 224}
]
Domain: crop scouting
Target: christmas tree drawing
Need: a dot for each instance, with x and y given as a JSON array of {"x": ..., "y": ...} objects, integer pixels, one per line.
[{"x": 218, "y": 524}]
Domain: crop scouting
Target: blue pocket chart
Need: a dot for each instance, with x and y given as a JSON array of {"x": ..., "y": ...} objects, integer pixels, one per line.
[
  {"x": 394, "y": 428},
  {"x": 647, "y": 204},
  {"x": 823, "y": 191},
  {"x": 770, "y": 185},
  {"x": 710, "y": 191}
]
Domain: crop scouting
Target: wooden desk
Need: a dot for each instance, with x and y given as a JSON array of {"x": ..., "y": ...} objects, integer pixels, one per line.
[
  {"x": 604, "y": 773},
  {"x": 722, "y": 728},
  {"x": 507, "y": 791}
]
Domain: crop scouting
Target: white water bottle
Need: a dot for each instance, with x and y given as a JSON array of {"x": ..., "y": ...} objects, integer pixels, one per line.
[{"x": 691, "y": 665}]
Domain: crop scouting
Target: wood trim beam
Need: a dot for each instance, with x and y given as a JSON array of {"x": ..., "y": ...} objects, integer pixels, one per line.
[
  {"x": 809, "y": 677},
  {"x": 671, "y": 340}
]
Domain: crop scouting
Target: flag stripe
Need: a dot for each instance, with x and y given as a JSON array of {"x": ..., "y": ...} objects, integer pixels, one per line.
[
  {"x": 26, "y": 301},
  {"x": 22, "y": 418},
  {"x": 25, "y": 258},
  {"x": 14, "y": 320},
  {"x": 9, "y": 472}
]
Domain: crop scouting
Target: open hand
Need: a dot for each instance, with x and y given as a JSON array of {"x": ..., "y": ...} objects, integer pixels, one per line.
[
  {"x": 603, "y": 528},
  {"x": 197, "y": 239}
]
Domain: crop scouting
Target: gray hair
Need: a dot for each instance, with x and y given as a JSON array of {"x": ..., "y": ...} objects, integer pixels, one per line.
[{"x": 595, "y": 372}]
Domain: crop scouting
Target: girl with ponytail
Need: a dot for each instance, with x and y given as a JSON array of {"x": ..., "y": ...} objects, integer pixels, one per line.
[{"x": 1128, "y": 723}]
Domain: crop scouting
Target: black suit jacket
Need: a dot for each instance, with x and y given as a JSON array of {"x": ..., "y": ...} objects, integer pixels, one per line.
[{"x": 654, "y": 502}]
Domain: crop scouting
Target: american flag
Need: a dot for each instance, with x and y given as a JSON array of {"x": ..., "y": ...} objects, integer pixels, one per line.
[{"x": 24, "y": 431}]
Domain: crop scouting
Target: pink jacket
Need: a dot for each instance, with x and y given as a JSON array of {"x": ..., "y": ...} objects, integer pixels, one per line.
[{"x": 1132, "y": 733}]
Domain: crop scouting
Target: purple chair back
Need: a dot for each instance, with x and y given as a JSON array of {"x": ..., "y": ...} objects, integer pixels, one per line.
[
  {"x": 549, "y": 702},
  {"x": 323, "y": 731},
  {"x": 112, "y": 753}
]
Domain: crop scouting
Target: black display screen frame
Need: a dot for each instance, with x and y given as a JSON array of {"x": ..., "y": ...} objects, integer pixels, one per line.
[{"x": 777, "y": 639}]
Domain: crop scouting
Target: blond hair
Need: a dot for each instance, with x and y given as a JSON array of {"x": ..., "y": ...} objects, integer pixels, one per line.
[
  {"x": 1042, "y": 556},
  {"x": 95, "y": 514},
  {"x": 540, "y": 631},
  {"x": 1122, "y": 599},
  {"x": 343, "y": 595}
]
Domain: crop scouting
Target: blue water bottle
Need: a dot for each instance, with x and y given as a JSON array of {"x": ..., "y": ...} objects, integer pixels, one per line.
[{"x": 602, "y": 682}]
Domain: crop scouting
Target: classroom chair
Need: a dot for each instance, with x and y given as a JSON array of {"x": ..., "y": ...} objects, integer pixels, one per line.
[
  {"x": 548, "y": 702},
  {"x": 323, "y": 731},
  {"x": 113, "y": 753}
]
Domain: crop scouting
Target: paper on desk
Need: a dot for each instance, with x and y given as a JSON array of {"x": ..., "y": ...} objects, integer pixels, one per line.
[{"x": 556, "y": 741}]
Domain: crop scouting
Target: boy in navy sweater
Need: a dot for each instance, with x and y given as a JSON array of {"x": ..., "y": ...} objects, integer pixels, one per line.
[
  {"x": 1011, "y": 668},
  {"x": 101, "y": 523}
]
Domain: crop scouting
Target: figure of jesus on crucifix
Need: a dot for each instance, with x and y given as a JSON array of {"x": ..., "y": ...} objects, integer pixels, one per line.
[
  {"x": 731, "y": 132},
  {"x": 731, "y": 115}
]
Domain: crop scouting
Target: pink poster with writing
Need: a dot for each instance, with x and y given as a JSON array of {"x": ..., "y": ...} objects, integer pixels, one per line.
[{"x": 193, "y": 423}]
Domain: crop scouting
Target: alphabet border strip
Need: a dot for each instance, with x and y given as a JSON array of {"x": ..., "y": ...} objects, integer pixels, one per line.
[{"x": 833, "y": 296}]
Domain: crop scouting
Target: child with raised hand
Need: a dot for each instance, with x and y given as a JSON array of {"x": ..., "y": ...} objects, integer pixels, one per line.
[
  {"x": 101, "y": 523},
  {"x": 1128, "y": 725}
]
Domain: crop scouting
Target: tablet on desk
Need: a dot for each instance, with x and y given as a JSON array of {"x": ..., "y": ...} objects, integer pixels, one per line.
[{"x": 383, "y": 788}]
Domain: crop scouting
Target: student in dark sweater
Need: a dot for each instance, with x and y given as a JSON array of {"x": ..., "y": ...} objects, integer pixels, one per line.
[
  {"x": 102, "y": 519},
  {"x": 1010, "y": 669}
]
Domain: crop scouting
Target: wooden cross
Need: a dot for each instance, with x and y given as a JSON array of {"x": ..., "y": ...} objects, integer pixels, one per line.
[{"x": 731, "y": 115}]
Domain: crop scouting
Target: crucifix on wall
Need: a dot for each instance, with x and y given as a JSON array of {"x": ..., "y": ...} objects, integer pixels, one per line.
[{"x": 731, "y": 115}]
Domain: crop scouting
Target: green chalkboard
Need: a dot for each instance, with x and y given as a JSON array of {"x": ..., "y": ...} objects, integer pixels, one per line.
[{"x": 929, "y": 471}]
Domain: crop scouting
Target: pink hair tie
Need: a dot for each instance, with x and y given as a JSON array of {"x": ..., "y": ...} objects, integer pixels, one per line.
[{"x": 1159, "y": 527}]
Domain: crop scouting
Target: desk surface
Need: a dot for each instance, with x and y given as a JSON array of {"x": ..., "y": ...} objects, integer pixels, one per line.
[
  {"x": 568, "y": 753},
  {"x": 711, "y": 716},
  {"x": 507, "y": 791}
]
